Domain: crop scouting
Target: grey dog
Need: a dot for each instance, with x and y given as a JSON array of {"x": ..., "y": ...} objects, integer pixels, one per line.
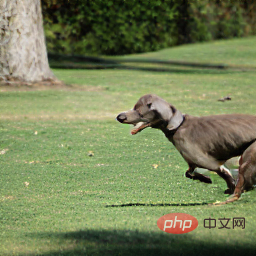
[{"x": 206, "y": 142}]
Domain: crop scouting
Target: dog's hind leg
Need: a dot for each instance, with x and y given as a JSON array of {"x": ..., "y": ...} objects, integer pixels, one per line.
[
  {"x": 247, "y": 171},
  {"x": 225, "y": 169},
  {"x": 226, "y": 175},
  {"x": 247, "y": 174},
  {"x": 239, "y": 187}
]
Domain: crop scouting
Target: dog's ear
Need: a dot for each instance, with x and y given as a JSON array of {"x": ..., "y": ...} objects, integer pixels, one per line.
[
  {"x": 169, "y": 113},
  {"x": 149, "y": 102},
  {"x": 160, "y": 106},
  {"x": 176, "y": 119}
]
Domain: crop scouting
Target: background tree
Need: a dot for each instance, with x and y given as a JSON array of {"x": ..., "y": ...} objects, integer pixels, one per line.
[{"x": 23, "y": 54}]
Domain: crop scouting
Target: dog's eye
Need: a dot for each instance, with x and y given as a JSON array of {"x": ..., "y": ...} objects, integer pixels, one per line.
[
  {"x": 138, "y": 111},
  {"x": 149, "y": 105}
]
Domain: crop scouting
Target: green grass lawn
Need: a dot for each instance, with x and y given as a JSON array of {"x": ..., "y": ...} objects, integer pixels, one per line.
[{"x": 75, "y": 182}]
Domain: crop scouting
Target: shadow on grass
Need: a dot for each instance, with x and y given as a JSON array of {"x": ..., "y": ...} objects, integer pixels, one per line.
[
  {"x": 163, "y": 204},
  {"x": 127, "y": 242},
  {"x": 153, "y": 65}
]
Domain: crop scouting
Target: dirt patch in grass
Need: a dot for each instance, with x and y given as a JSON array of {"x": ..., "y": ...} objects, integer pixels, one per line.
[{"x": 42, "y": 86}]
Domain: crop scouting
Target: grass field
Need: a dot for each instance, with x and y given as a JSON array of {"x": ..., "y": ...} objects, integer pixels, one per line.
[{"x": 75, "y": 182}]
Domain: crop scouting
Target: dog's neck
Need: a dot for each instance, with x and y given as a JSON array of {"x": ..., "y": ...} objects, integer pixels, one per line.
[{"x": 170, "y": 133}]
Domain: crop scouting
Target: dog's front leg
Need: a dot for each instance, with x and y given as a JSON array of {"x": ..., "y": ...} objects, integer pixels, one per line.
[
  {"x": 189, "y": 172},
  {"x": 197, "y": 176}
]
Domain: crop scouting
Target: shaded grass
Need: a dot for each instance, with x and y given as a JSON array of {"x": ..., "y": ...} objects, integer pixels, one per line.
[
  {"x": 230, "y": 52},
  {"x": 75, "y": 182}
]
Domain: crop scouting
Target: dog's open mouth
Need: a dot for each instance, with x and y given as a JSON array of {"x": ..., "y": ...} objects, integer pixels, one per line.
[{"x": 139, "y": 127}]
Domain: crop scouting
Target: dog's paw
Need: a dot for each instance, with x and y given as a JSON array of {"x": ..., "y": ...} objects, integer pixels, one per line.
[
  {"x": 229, "y": 191},
  {"x": 189, "y": 175},
  {"x": 202, "y": 178},
  {"x": 231, "y": 199}
]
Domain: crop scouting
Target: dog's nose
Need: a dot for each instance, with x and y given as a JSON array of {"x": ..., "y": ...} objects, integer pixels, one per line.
[{"x": 121, "y": 117}]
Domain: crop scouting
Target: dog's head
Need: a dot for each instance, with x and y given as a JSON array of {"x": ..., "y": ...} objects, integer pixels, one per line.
[{"x": 151, "y": 111}]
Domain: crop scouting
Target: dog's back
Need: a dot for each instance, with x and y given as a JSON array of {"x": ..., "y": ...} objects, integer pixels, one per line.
[{"x": 221, "y": 136}]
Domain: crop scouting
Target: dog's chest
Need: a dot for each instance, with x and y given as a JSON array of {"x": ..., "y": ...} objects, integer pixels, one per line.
[{"x": 183, "y": 146}]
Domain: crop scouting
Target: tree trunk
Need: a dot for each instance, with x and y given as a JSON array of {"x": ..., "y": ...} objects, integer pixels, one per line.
[{"x": 23, "y": 54}]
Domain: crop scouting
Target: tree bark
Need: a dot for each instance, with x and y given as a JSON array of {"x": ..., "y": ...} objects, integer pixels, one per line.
[{"x": 23, "y": 54}]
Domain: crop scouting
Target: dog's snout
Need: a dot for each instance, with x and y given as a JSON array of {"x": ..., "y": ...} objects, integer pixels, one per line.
[{"x": 121, "y": 117}]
